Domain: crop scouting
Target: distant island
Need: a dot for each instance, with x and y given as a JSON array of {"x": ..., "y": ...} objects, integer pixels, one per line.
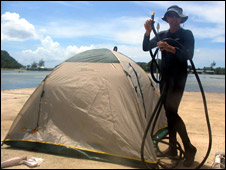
[{"x": 8, "y": 62}]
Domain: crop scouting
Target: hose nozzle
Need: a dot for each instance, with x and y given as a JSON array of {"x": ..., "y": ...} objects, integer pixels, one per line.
[{"x": 152, "y": 15}]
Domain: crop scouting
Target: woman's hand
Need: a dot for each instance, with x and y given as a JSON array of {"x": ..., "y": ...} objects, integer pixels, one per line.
[
  {"x": 148, "y": 26},
  {"x": 162, "y": 45}
]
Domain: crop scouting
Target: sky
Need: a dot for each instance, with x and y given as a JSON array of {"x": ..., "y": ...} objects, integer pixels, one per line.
[{"x": 57, "y": 30}]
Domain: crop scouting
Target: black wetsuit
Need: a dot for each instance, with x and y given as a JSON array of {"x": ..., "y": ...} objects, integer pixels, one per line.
[{"x": 174, "y": 75}]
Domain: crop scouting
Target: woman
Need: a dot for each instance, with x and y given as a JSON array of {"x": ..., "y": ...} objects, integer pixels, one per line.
[{"x": 174, "y": 75}]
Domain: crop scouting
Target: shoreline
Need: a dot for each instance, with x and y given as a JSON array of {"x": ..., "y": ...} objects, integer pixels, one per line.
[
  {"x": 191, "y": 110},
  {"x": 12, "y": 69},
  {"x": 51, "y": 69},
  {"x": 18, "y": 69},
  {"x": 184, "y": 91}
]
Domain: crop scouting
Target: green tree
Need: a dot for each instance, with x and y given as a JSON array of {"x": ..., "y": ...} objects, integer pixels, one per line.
[
  {"x": 34, "y": 65},
  {"x": 41, "y": 63},
  {"x": 219, "y": 70},
  {"x": 142, "y": 65},
  {"x": 9, "y": 62},
  {"x": 212, "y": 65},
  {"x": 28, "y": 67}
]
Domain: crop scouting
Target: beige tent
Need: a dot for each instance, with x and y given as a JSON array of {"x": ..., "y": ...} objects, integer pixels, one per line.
[{"x": 97, "y": 103}]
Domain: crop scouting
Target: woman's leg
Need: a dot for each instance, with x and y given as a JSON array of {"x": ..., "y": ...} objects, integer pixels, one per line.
[{"x": 175, "y": 123}]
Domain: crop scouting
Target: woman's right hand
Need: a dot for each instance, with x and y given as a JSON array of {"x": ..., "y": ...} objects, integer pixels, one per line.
[{"x": 148, "y": 26}]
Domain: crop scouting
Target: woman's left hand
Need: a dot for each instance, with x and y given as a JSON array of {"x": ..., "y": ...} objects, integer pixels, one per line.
[{"x": 162, "y": 45}]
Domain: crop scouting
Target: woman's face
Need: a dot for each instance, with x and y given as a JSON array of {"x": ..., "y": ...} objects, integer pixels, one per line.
[{"x": 173, "y": 19}]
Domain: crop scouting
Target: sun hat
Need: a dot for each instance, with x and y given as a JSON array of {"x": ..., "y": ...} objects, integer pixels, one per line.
[{"x": 179, "y": 12}]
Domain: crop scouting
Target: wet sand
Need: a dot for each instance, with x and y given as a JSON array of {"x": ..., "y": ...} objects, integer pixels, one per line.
[{"x": 191, "y": 110}]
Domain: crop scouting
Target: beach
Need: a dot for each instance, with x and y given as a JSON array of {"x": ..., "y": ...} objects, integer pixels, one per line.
[{"x": 191, "y": 110}]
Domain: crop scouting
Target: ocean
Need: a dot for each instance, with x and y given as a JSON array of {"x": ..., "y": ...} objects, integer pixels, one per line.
[
  {"x": 21, "y": 79},
  {"x": 31, "y": 79}
]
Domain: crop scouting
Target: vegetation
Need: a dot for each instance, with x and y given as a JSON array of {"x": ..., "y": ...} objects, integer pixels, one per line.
[
  {"x": 9, "y": 62},
  {"x": 41, "y": 63},
  {"x": 219, "y": 70},
  {"x": 146, "y": 66},
  {"x": 213, "y": 64},
  {"x": 40, "y": 66},
  {"x": 205, "y": 70}
]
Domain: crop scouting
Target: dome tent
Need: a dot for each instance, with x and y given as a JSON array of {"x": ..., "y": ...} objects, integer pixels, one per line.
[{"x": 96, "y": 104}]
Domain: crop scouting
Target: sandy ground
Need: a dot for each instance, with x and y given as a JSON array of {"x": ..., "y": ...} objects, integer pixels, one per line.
[{"x": 191, "y": 111}]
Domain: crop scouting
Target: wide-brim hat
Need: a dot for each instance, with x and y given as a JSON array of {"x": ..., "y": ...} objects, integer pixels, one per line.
[{"x": 179, "y": 12}]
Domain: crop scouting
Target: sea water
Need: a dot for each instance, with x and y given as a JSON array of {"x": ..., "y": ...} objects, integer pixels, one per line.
[
  {"x": 21, "y": 79},
  {"x": 210, "y": 83},
  {"x": 31, "y": 79}
]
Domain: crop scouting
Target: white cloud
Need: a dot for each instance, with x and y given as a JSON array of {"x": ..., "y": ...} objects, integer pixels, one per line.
[
  {"x": 48, "y": 43},
  {"x": 73, "y": 50},
  {"x": 51, "y": 52},
  {"x": 128, "y": 30},
  {"x": 61, "y": 29},
  {"x": 217, "y": 33},
  {"x": 129, "y": 37},
  {"x": 14, "y": 28},
  {"x": 209, "y": 14},
  {"x": 204, "y": 11}
]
